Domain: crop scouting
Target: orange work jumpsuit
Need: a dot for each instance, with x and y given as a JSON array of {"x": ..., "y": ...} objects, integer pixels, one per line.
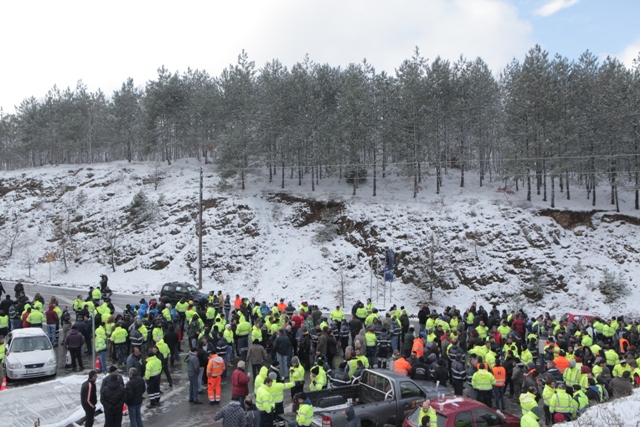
[{"x": 215, "y": 368}]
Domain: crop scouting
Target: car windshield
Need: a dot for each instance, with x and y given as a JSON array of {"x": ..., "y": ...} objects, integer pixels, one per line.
[
  {"x": 192, "y": 289},
  {"x": 21, "y": 345}
]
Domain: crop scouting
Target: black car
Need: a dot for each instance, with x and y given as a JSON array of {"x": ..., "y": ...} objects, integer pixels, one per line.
[{"x": 176, "y": 290}]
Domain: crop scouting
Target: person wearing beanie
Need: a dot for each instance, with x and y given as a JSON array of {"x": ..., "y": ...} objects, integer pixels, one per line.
[
  {"x": 530, "y": 418},
  {"x": 571, "y": 374},
  {"x": 296, "y": 376},
  {"x": 304, "y": 418}
]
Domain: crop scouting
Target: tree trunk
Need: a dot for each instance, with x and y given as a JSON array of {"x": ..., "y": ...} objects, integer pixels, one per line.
[
  {"x": 283, "y": 175},
  {"x": 374, "y": 173},
  {"x": 567, "y": 179},
  {"x": 355, "y": 183},
  {"x": 313, "y": 182},
  {"x": 299, "y": 169},
  {"x": 544, "y": 184},
  {"x": 553, "y": 191}
]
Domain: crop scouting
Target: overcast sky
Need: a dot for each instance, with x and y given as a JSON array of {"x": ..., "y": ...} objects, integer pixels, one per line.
[{"x": 46, "y": 43}]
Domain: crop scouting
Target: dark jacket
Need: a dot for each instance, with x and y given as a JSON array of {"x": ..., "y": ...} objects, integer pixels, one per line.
[
  {"x": 134, "y": 362},
  {"x": 621, "y": 387},
  {"x": 88, "y": 396},
  {"x": 171, "y": 339},
  {"x": 6, "y": 304},
  {"x": 282, "y": 345},
  {"x": 135, "y": 389},
  {"x": 419, "y": 371},
  {"x": 113, "y": 396},
  {"x": 352, "y": 419},
  {"x": 136, "y": 338},
  {"x": 52, "y": 316},
  {"x": 355, "y": 325},
  {"x": 74, "y": 339},
  {"x": 202, "y": 357},
  {"x": 105, "y": 381},
  {"x": 253, "y": 416},
  {"x": 441, "y": 374},
  {"x": 193, "y": 364}
]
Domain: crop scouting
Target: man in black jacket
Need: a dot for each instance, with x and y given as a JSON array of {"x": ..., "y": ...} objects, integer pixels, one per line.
[
  {"x": 112, "y": 399},
  {"x": 6, "y": 304},
  {"x": 135, "y": 361},
  {"x": 458, "y": 375},
  {"x": 113, "y": 371},
  {"x": 420, "y": 370},
  {"x": 18, "y": 288},
  {"x": 282, "y": 347},
  {"x": 88, "y": 398},
  {"x": 171, "y": 339},
  {"x": 135, "y": 389}
]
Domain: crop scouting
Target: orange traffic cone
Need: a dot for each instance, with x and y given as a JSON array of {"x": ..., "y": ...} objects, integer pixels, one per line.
[
  {"x": 97, "y": 363},
  {"x": 4, "y": 384},
  {"x": 125, "y": 409}
]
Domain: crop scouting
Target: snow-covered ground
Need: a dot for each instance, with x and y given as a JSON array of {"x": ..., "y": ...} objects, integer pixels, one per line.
[
  {"x": 488, "y": 245},
  {"x": 53, "y": 403},
  {"x": 623, "y": 412}
]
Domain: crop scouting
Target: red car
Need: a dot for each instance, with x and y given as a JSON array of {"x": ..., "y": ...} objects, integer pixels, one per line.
[
  {"x": 458, "y": 411},
  {"x": 580, "y": 318}
]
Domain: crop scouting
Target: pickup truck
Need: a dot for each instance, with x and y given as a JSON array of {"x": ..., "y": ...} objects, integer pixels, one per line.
[{"x": 380, "y": 397}]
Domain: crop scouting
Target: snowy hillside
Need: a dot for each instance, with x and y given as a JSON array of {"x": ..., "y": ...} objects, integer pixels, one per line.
[{"x": 475, "y": 243}]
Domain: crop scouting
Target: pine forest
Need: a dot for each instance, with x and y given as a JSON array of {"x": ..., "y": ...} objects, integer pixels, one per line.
[{"x": 545, "y": 125}]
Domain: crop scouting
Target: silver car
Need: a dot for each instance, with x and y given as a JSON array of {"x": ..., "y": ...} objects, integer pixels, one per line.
[{"x": 29, "y": 354}]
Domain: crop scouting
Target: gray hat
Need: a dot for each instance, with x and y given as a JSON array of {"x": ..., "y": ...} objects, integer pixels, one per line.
[{"x": 273, "y": 375}]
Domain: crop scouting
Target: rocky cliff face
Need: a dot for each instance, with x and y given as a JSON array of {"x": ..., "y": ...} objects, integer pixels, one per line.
[{"x": 273, "y": 243}]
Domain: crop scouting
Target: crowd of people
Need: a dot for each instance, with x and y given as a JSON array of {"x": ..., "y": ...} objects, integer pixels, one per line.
[{"x": 485, "y": 355}]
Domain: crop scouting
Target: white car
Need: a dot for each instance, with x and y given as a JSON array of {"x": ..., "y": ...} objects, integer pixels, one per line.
[{"x": 29, "y": 354}]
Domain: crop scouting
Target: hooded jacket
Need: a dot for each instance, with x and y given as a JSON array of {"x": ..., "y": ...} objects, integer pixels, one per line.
[
  {"x": 352, "y": 419},
  {"x": 113, "y": 396},
  {"x": 74, "y": 339},
  {"x": 259, "y": 380}
]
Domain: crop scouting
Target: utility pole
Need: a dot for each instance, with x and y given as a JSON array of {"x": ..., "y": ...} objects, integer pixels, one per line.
[
  {"x": 200, "y": 234},
  {"x": 93, "y": 339}
]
